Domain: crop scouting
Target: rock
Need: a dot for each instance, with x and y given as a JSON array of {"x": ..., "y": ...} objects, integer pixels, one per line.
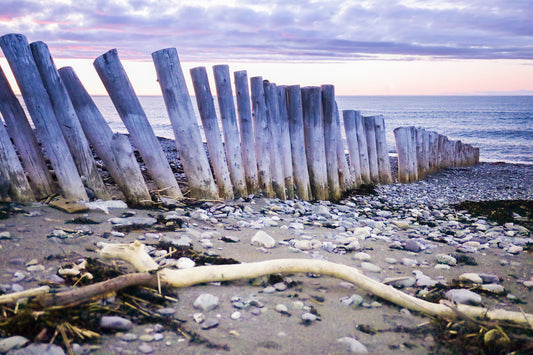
[
  {"x": 321, "y": 210},
  {"x": 131, "y": 221},
  {"x": 494, "y": 288},
  {"x": 145, "y": 348},
  {"x": 281, "y": 308},
  {"x": 409, "y": 262},
  {"x": 68, "y": 206},
  {"x": 361, "y": 256},
  {"x": 39, "y": 349},
  {"x": 115, "y": 323},
  {"x": 303, "y": 244},
  {"x": 236, "y": 315},
  {"x": 423, "y": 280},
  {"x": 412, "y": 245},
  {"x": 370, "y": 267},
  {"x": 463, "y": 296},
  {"x": 472, "y": 277},
  {"x": 489, "y": 278},
  {"x": 11, "y": 343},
  {"x": 391, "y": 261},
  {"x": 446, "y": 259},
  {"x": 355, "y": 346},
  {"x": 514, "y": 249},
  {"x": 309, "y": 317},
  {"x": 210, "y": 323},
  {"x": 185, "y": 263},
  {"x": 400, "y": 282},
  {"x": 129, "y": 337},
  {"x": 264, "y": 240},
  {"x": 362, "y": 233},
  {"x": 206, "y": 302},
  {"x": 5, "y": 235}
]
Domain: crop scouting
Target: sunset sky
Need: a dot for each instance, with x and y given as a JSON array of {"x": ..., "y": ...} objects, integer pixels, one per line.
[{"x": 367, "y": 47}]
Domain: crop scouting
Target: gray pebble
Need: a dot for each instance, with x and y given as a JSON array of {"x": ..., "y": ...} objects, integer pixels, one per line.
[
  {"x": 116, "y": 323},
  {"x": 370, "y": 267},
  {"x": 264, "y": 240},
  {"x": 309, "y": 317},
  {"x": 13, "y": 342},
  {"x": 39, "y": 349},
  {"x": 145, "y": 348},
  {"x": 446, "y": 259},
  {"x": 412, "y": 245},
  {"x": 210, "y": 323},
  {"x": 129, "y": 337},
  {"x": 206, "y": 302},
  {"x": 463, "y": 296},
  {"x": 356, "y": 347}
]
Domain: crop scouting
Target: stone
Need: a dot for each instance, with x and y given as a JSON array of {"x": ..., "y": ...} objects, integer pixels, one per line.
[
  {"x": 309, "y": 317},
  {"x": 264, "y": 240},
  {"x": 361, "y": 256},
  {"x": 5, "y": 235},
  {"x": 129, "y": 337},
  {"x": 68, "y": 206},
  {"x": 472, "y": 277},
  {"x": 494, "y": 288},
  {"x": 131, "y": 221},
  {"x": 39, "y": 349},
  {"x": 370, "y": 267},
  {"x": 13, "y": 342},
  {"x": 210, "y": 323},
  {"x": 412, "y": 245},
  {"x": 185, "y": 263},
  {"x": 489, "y": 278},
  {"x": 145, "y": 348},
  {"x": 206, "y": 302},
  {"x": 463, "y": 296},
  {"x": 514, "y": 249},
  {"x": 115, "y": 323},
  {"x": 303, "y": 244},
  {"x": 446, "y": 259},
  {"x": 356, "y": 347}
]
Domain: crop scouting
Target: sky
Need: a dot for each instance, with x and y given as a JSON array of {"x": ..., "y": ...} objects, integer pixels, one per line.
[{"x": 363, "y": 47}]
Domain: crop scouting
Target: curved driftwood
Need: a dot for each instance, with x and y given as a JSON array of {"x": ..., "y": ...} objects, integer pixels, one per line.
[{"x": 136, "y": 255}]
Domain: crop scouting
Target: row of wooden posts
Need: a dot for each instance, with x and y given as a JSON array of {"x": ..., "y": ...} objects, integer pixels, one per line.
[
  {"x": 422, "y": 152},
  {"x": 283, "y": 141}
]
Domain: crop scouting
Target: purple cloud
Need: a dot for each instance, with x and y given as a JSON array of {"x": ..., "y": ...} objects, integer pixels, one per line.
[{"x": 276, "y": 29}]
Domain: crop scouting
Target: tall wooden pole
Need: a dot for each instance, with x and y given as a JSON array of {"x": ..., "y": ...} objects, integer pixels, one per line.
[
  {"x": 314, "y": 141},
  {"x": 330, "y": 141},
  {"x": 276, "y": 160},
  {"x": 346, "y": 178},
  {"x": 17, "y": 52},
  {"x": 125, "y": 172},
  {"x": 68, "y": 120},
  {"x": 385, "y": 176},
  {"x": 296, "y": 131},
  {"x": 363, "y": 148},
  {"x": 262, "y": 136},
  {"x": 244, "y": 109},
  {"x": 370, "y": 131},
  {"x": 184, "y": 123},
  {"x": 120, "y": 90},
  {"x": 285, "y": 141},
  {"x": 231, "y": 129},
  {"x": 406, "y": 148},
  {"x": 353, "y": 145},
  {"x": 23, "y": 136},
  {"x": 215, "y": 147}
]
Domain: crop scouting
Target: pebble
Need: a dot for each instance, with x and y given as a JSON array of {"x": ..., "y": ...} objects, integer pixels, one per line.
[
  {"x": 210, "y": 323},
  {"x": 472, "y": 277},
  {"x": 494, "y": 288},
  {"x": 354, "y": 300},
  {"x": 129, "y": 337},
  {"x": 145, "y": 348},
  {"x": 264, "y": 240},
  {"x": 514, "y": 249},
  {"x": 115, "y": 323},
  {"x": 361, "y": 256},
  {"x": 5, "y": 235},
  {"x": 13, "y": 342},
  {"x": 236, "y": 315},
  {"x": 146, "y": 338},
  {"x": 366, "y": 266},
  {"x": 356, "y": 347},
  {"x": 412, "y": 245},
  {"x": 206, "y": 302},
  {"x": 446, "y": 259},
  {"x": 281, "y": 308},
  {"x": 185, "y": 263},
  {"x": 39, "y": 349},
  {"x": 463, "y": 296},
  {"x": 309, "y": 317},
  {"x": 129, "y": 221}
]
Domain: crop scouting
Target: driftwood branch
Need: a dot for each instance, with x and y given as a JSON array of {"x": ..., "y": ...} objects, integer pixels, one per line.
[{"x": 136, "y": 255}]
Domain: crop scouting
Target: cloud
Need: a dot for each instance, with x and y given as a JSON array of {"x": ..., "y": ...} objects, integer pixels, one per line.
[{"x": 277, "y": 29}]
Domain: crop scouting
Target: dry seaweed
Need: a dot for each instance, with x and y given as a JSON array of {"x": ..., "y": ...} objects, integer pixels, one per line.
[{"x": 501, "y": 211}]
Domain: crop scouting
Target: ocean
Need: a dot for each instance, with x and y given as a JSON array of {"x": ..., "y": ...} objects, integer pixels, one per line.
[{"x": 501, "y": 126}]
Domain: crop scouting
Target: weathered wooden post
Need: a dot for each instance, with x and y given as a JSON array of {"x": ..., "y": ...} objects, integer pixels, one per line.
[
  {"x": 230, "y": 128},
  {"x": 370, "y": 131},
  {"x": 433, "y": 157},
  {"x": 346, "y": 178},
  {"x": 22, "y": 134},
  {"x": 68, "y": 121},
  {"x": 215, "y": 147},
  {"x": 363, "y": 148},
  {"x": 125, "y": 172},
  {"x": 285, "y": 141},
  {"x": 272, "y": 113},
  {"x": 17, "y": 52},
  {"x": 11, "y": 171},
  {"x": 353, "y": 145},
  {"x": 184, "y": 124},
  {"x": 406, "y": 148},
  {"x": 421, "y": 153},
  {"x": 262, "y": 136},
  {"x": 330, "y": 141},
  {"x": 296, "y": 131},
  {"x": 118, "y": 86},
  {"x": 385, "y": 176},
  {"x": 314, "y": 141},
  {"x": 244, "y": 110}
]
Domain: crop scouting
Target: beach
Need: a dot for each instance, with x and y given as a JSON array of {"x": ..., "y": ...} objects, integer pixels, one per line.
[{"x": 406, "y": 235}]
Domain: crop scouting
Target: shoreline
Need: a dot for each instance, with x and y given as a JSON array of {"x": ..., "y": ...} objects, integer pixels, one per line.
[{"x": 407, "y": 233}]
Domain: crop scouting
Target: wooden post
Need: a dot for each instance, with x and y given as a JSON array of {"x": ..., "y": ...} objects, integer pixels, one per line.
[
  {"x": 433, "y": 157},
  {"x": 421, "y": 153},
  {"x": 118, "y": 86},
  {"x": 22, "y": 134},
  {"x": 17, "y": 52},
  {"x": 215, "y": 147},
  {"x": 330, "y": 141},
  {"x": 285, "y": 140},
  {"x": 296, "y": 131},
  {"x": 346, "y": 178},
  {"x": 124, "y": 171},
  {"x": 353, "y": 145},
  {"x": 262, "y": 136},
  {"x": 363, "y": 148},
  {"x": 405, "y": 146},
  {"x": 385, "y": 176},
  {"x": 272, "y": 114},
  {"x": 244, "y": 110},
  {"x": 68, "y": 121},
  {"x": 370, "y": 131},
  {"x": 231, "y": 129},
  {"x": 11, "y": 171},
  {"x": 314, "y": 141},
  {"x": 185, "y": 125}
]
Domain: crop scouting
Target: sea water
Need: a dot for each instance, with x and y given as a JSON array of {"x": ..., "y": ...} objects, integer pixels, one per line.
[{"x": 501, "y": 126}]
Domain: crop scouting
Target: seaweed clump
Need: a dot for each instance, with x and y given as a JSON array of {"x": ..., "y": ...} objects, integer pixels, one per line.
[{"x": 501, "y": 211}]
